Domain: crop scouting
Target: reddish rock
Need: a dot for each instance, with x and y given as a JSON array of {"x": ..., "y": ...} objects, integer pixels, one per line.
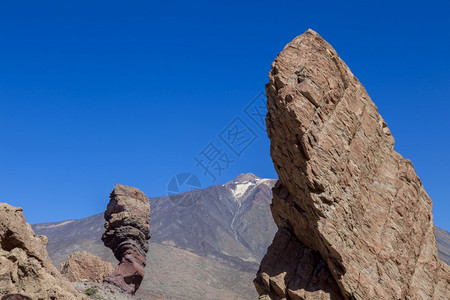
[
  {"x": 127, "y": 233},
  {"x": 344, "y": 195}
]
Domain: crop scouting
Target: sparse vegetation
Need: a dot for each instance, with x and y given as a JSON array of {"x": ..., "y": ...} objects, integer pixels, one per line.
[{"x": 92, "y": 292}]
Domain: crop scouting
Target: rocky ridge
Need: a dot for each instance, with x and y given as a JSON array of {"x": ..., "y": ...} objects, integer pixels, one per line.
[
  {"x": 347, "y": 205},
  {"x": 25, "y": 267},
  {"x": 210, "y": 250},
  {"x": 177, "y": 269}
]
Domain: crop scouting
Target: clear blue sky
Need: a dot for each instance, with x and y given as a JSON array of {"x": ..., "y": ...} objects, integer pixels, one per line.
[{"x": 94, "y": 93}]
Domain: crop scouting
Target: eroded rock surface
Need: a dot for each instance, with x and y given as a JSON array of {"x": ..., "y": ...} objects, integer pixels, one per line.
[
  {"x": 82, "y": 265},
  {"x": 25, "y": 268},
  {"x": 294, "y": 270},
  {"x": 344, "y": 195},
  {"x": 127, "y": 233}
]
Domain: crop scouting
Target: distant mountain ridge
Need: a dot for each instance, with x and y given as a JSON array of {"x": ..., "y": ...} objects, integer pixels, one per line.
[
  {"x": 217, "y": 226},
  {"x": 226, "y": 231},
  {"x": 213, "y": 246},
  {"x": 443, "y": 240}
]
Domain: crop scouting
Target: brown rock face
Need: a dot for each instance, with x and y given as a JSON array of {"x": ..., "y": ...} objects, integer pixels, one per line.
[
  {"x": 127, "y": 233},
  {"x": 82, "y": 265},
  {"x": 25, "y": 268},
  {"x": 355, "y": 221},
  {"x": 292, "y": 270}
]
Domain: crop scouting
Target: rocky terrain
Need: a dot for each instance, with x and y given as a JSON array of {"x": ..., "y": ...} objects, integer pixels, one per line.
[
  {"x": 178, "y": 265},
  {"x": 127, "y": 233},
  {"x": 290, "y": 270},
  {"x": 210, "y": 250},
  {"x": 106, "y": 291},
  {"x": 355, "y": 221},
  {"x": 348, "y": 217},
  {"x": 25, "y": 267}
]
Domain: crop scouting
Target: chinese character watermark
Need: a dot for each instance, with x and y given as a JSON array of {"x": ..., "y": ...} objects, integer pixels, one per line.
[
  {"x": 213, "y": 160},
  {"x": 181, "y": 189},
  {"x": 238, "y": 136},
  {"x": 257, "y": 110}
]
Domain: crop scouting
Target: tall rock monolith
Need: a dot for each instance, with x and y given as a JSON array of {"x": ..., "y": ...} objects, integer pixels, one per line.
[
  {"x": 127, "y": 232},
  {"x": 355, "y": 221}
]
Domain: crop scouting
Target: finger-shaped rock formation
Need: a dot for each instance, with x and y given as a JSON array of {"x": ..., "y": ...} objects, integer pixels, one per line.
[
  {"x": 350, "y": 209},
  {"x": 127, "y": 233}
]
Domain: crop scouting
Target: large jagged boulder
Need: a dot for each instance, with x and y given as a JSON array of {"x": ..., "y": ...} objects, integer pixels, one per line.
[
  {"x": 127, "y": 233},
  {"x": 82, "y": 265},
  {"x": 25, "y": 268},
  {"x": 344, "y": 197}
]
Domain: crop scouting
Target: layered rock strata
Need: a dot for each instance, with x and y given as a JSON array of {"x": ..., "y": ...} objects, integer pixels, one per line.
[{"x": 127, "y": 233}]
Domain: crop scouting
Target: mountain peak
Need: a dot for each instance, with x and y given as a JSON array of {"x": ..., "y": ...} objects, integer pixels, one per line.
[
  {"x": 243, "y": 177},
  {"x": 242, "y": 184}
]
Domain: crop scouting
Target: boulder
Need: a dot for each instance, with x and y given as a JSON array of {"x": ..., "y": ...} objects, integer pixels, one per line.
[{"x": 82, "y": 265}]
